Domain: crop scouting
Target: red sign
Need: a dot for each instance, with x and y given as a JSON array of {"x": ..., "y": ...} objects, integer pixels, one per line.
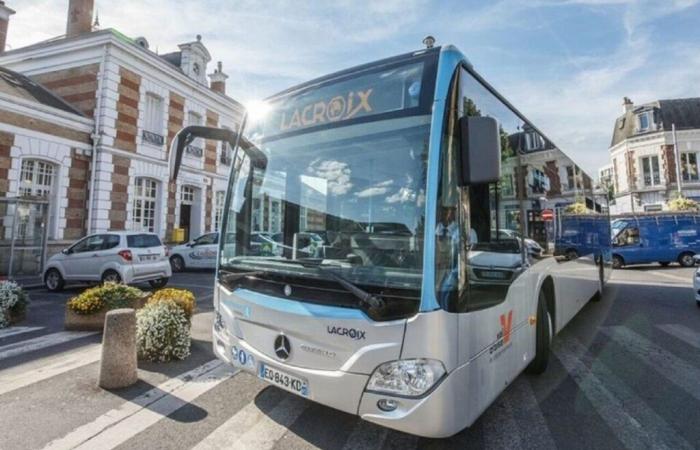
[{"x": 547, "y": 214}]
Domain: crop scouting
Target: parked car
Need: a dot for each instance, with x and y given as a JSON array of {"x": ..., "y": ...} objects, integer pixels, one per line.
[
  {"x": 533, "y": 248},
  {"x": 119, "y": 256},
  {"x": 658, "y": 237},
  {"x": 197, "y": 254}
]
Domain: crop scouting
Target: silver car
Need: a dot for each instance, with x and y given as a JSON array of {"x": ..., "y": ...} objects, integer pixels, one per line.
[{"x": 120, "y": 257}]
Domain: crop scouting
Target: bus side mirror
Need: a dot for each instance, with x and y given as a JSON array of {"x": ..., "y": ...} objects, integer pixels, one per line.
[{"x": 481, "y": 150}]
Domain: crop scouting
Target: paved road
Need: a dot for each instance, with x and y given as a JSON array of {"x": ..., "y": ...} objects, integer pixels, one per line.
[{"x": 625, "y": 374}]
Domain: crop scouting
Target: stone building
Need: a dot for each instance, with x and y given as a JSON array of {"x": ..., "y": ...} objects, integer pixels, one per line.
[
  {"x": 644, "y": 159},
  {"x": 128, "y": 102}
]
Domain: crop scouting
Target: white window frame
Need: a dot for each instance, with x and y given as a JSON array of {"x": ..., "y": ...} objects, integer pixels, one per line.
[
  {"x": 685, "y": 173},
  {"x": 37, "y": 178},
  {"x": 153, "y": 118},
  {"x": 647, "y": 115},
  {"x": 145, "y": 208},
  {"x": 652, "y": 181},
  {"x": 187, "y": 194}
]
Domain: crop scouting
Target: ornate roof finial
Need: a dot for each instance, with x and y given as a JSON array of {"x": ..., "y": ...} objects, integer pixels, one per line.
[{"x": 97, "y": 19}]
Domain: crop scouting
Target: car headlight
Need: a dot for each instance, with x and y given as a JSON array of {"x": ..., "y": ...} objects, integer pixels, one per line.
[{"x": 408, "y": 377}]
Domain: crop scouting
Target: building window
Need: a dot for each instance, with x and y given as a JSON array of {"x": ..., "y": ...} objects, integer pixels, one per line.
[
  {"x": 573, "y": 178},
  {"x": 36, "y": 179},
  {"x": 689, "y": 166},
  {"x": 507, "y": 185},
  {"x": 533, "y": 141},
  {"x": 145, "y": 198},
  {"x": 153, "y": 124},
  {"x": 196, "y": 148},
  {"x": 643, "y": 121},
  {"x": 218, "y": 209},
  {"x": 187, "y": 195},
  {"x": 650, "y": 171},
  {"x": 226, "y": 151}
]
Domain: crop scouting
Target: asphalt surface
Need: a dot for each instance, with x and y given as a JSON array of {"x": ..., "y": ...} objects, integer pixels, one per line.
[{"x": 625, "y": 373}]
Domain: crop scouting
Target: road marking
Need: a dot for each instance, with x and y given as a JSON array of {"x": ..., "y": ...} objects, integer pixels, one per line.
[
  {"x": 679, "y": 372},
  {"x": 12, "y": 331},
  {"x": 251, "y": 428},
  {"x": 683, "y": 333},
  {"x": 49, "y": 340},
  {"x": 366, "y": 435},
  {"x": 45, "y": 368},
  {"x": 524, "y": 407},
  {"x": 634, "y": 423},
  {"x": 120, "y": 424},
  {"x": 272, "y": 426}
]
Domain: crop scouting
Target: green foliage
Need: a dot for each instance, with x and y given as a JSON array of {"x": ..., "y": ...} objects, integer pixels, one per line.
[
  {"x": 107, "y": 296},
  {"x": 162, "y": 332}
]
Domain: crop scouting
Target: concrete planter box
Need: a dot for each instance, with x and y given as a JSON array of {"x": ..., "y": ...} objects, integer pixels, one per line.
[{"x": 92, "y": 322}]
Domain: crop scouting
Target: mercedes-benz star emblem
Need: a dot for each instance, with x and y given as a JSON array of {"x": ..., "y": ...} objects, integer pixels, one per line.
[
  {"x": 282, "y": 347},
  {"x": 287, "y": 290}
]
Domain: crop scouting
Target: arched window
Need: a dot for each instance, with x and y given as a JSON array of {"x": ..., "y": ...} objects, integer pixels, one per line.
[
  {"x": 36, "y": 178},
  {"x": 145, "y": 201}
]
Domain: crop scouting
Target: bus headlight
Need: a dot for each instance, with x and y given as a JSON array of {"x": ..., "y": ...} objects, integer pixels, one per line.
[{"x": 408, "y": 377}]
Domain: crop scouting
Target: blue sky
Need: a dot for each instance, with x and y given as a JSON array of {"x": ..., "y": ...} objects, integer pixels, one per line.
[{"x": 566, "y": 64}]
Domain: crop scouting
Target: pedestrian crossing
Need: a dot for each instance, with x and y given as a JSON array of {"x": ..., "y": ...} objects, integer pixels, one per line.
[{"x": 518, "y": 419}]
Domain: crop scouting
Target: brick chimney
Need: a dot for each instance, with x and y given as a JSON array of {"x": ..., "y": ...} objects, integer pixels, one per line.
[
  {"x": 627, "y": 105},
  {"x": 79, "y": 17},
  {"x": 218, "y": 79},
  {"x": 5, "y": 14}
]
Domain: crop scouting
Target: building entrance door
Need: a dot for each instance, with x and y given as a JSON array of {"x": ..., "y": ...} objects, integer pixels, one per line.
[{"x": 185, "y": 215}]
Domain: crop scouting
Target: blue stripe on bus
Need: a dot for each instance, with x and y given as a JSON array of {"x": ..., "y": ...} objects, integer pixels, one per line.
[
  {"x": 290, "y": 306},
  {"x": 450, "y": 59}
]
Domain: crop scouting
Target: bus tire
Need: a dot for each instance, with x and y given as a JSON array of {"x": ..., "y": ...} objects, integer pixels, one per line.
[
  {"x": 686, "y": 259},
  {"x": 617, "y": 262},
  {"x": 543, "y": 337},
  {"x": 601, "y": 283}
]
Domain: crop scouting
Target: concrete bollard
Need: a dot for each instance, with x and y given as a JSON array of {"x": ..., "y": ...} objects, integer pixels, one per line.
[{"x": 118, "y": 367}]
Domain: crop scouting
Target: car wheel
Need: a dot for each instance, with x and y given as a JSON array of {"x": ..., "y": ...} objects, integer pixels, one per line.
[
  {"x": 111, "y": 276},
  {"x": 686, "y": 260},
  {"x": 618, "y": 262},
  {"x": 159, "y": 283},
  {"x": 177, "y": 263},
  {"x": 664, "y": 263},
  {"x": 53, "y": 280},
  {"x": 543, "y": 337}
]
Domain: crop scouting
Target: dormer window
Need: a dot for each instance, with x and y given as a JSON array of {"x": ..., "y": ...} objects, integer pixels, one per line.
[
  {"x": 196, "y": 69},
  {"x": 644, "y": 121}
]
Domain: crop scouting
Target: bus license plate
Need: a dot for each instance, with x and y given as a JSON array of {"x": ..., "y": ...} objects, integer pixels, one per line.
[{"x": 283, "y": 380}]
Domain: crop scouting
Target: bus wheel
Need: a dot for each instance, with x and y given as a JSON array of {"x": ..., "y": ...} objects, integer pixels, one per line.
[
  {"x": 543, "y": 335},
  {"x": 686, "y": 260},
  {"x": 601, "y": 283},
  {"x": 617, "y": 262}
]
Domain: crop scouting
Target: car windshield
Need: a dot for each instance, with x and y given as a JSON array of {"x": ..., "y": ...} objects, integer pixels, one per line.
[{"x": 351, "y": 196}]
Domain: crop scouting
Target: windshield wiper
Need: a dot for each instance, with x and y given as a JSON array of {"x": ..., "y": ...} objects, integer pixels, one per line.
[
  {"x": 365, "y": 297},
  {"x": 228, "y": 276}
]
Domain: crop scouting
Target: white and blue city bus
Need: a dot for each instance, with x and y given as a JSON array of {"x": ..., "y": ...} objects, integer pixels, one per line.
[{"x": 373, "y": 254}]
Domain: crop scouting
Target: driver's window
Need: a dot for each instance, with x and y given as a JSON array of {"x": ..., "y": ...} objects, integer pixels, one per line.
[{"x": 630, "y": 236}]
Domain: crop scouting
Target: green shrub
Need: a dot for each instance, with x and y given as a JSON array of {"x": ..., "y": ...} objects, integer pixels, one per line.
[
  {"x": 162, "y": 332},
  {"x": 13, "y": 302},
  {"x": 107, "y": 296},
  {"x": 181, "y": 297}
]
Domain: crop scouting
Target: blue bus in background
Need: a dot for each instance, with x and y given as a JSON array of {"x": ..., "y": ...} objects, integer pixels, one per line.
[{"x": 657, "y": 237}]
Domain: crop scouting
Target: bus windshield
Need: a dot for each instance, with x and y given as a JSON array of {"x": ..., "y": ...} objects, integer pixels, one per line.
[{"x": 337, "y": 186}]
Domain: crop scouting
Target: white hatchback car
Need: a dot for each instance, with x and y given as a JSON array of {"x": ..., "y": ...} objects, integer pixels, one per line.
[
  {"x": 199, "y": 253},
  {"x": 119, "y": 256}
]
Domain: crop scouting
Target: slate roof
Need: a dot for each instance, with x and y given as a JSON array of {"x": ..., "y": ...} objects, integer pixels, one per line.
[
  {"x": 18, "y": 85},
  {"x": 683, "y": 112},
  {"x": 174, "y": 58}
]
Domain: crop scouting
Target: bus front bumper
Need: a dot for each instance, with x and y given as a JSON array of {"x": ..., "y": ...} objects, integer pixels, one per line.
[{"x": 437, "y": 414}]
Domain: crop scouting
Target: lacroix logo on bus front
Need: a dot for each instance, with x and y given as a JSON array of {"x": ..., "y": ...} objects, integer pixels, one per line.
[{"x": 340, "y": 107}]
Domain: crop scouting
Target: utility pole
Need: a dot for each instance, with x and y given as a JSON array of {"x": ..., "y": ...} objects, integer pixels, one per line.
[{"x": 677, "y": 156}]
